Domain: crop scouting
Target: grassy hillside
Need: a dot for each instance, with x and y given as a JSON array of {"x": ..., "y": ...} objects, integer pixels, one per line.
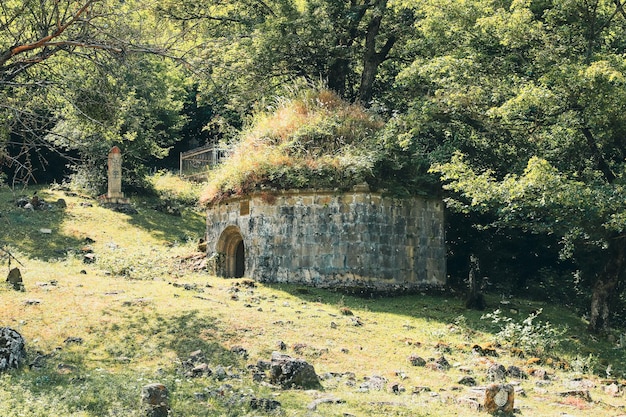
[{"x": 97, "y": 332}]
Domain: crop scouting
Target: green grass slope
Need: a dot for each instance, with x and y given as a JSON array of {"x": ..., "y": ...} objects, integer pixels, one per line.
[{"x": 98, "y": 332}]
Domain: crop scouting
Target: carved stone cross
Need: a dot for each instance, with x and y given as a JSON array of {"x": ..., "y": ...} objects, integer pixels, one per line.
[{"x": 115, "y": 173}]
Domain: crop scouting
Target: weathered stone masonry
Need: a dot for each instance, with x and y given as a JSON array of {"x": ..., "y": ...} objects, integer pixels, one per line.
[{"x": 326, "y": 239}]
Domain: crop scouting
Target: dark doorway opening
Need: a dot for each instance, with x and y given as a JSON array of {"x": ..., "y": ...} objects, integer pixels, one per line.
[
  {"x": 240, "y": 264},
  {"x": 231, "y": 249}
]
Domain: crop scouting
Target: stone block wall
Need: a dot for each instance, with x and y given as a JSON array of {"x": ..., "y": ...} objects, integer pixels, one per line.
[{"x": 326, "y": 239}]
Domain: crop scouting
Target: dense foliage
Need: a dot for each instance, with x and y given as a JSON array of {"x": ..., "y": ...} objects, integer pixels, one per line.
[{"x": 516, "y": 107}]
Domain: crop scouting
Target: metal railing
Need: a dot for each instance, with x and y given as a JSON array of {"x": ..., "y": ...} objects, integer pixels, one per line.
[{"x": 199, "y": 160}]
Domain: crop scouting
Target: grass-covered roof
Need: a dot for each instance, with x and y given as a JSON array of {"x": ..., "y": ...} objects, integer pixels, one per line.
[{"x": 312, "y": 140}]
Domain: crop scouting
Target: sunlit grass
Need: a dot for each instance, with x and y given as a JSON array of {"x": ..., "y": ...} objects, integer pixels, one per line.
[{"x": 138, "y": 322}]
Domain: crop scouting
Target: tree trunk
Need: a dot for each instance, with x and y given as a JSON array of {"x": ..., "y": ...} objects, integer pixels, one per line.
[
  {"x": 372, "y": 58},
  {"x": 338, "y": 76},
  {"x": 475, "y": 299},
  {"x": 605, "y": 285}
]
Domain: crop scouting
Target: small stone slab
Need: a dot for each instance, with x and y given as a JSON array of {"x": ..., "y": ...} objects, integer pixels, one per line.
[
  {"x": 499, "y": 398},
  {"x": 155, "y": 400},
  {"x": 15, "y": 279}
]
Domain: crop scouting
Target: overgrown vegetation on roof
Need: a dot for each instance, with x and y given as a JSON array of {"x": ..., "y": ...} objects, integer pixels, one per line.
[{"x": 311, "y": 140}]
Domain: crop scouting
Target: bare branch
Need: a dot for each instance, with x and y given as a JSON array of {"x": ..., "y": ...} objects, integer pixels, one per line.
[{"x": 19, "y": 49}]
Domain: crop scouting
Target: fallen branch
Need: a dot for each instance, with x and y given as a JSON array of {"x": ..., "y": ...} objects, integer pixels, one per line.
[{"x": 10, "y": 256}]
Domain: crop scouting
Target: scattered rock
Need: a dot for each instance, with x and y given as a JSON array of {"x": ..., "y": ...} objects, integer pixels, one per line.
[
  {"x": 356, "y": 321},
  {"x": 515, "y": 372},
  {"x": 89, "y": 258},
  {"x": 220, "y": 373},
  {"x": 468, "y": 381},
  {"x": 396, "y": 388},
  {"x": 12, "y": 349},
  {"x": 328, "y": 400},
  {"x": 239, "y": 350},
  {"x": 292, "y": 373},
  {"x": 580, "y": 383},
  {"x": 264, "y": 404},
  {"x": 346, "y": 311},
  {"x": 612, "y": 389},
  {"x": 61, "y": 203},
  {"x": 22, "y": 202},
  {"x": 471, "y": 403},
  {"x": 583, "y": 394},
  {"x": 197, "y": 356},
  {"x": 73, "y": 340},
  {"x": 434, "y": 366},
  {"x": 419, "y": 390},
  {"x": 417, "y": 360},
  {"x": 540, "y": 374},
  {"x": 375, "y": 382},
  {"x": 32, "y": 302},
  {"x": 200, "y": 370},
  {"x": 499, "y": 399},
  {"x": 120, "y": 208},
  {"x": 155, "y": 400},
  {"x": 484, "y": 350},
  {"x": 263, "y": 365},
  {"x": 443, "y": 362},
  {"x": 496, "y": 372}
]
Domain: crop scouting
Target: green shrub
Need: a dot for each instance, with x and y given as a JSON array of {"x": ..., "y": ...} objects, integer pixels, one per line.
[{"x": 529, "y": 336}]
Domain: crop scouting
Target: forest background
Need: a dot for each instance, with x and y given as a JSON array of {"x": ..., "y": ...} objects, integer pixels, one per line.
[{"x": 514, "y": 111}]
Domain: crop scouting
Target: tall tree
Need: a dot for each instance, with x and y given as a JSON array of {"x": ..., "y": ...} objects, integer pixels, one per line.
[
  {"x": 532, "y": 94},
  {"x": 266, "y": 43}
]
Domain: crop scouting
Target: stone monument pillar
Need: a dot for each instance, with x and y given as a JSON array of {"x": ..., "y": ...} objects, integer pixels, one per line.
[{"x": 114, "y": 193}]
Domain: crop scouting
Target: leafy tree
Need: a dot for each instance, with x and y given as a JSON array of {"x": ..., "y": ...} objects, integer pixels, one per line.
[
  {"x": 66, "y": 60},
  {"x": 135, "y": 104},
  {"x": 532, "y": 96},
  {"x": 256, "y": 46}
]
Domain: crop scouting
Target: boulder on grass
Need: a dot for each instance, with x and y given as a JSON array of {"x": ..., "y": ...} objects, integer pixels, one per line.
[
  {"x": 12, "y": 349},
  {"x": 155, "y": 400},
  {"x": 292, "y": 373}
]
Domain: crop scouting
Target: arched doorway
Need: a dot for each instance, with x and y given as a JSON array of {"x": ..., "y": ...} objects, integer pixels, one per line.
[{"x": 232, "y": 250}]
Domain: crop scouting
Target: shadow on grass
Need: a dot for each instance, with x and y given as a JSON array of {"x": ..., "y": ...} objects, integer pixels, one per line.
[
  {"x": 130, "y": 354},
  {"x": 447, "y": 308},
  {"x": 34, "y": 232},
  {"x": 147, "y": 334},
  {"x": 190, "y": 225}
]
